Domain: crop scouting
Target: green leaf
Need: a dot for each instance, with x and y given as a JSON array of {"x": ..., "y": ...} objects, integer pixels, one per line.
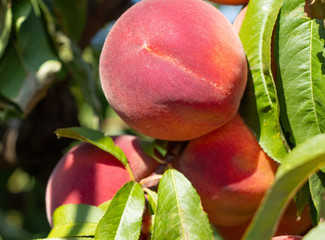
[
  {"x": 5, "y": 24},
  {"x": 301, "y": 78},
  {"x": 123, "y": 217},
  {"x": 298, "y": 165},
  {"x": 317, "y": 190},
  {"x": 260, "y": 105},
  {"x": 29, "y": 65},
  {"x": 77, "y": 238},
  {"x": 98, "y": 139},
  {"x": 313, "y": 212},
  {"x": 71, "y": 55},
  {"x": 80, "y": 70},
  {"x": 104, "y": 205},
  {"x": 317, "y": 233},
  {"x": 179, "y": 214},
  {"x": 72, "y": 24},
  {"x": 154, "y": 147},
  {"x": 152, "y": 199},
  {"x": 302, "y": 198},
  {"x": 75, "y": 220},
  {"x": 94, "y": 137}
]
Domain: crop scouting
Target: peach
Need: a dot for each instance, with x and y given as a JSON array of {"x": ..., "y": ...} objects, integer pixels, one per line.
[
  {"x": 289, "y": 224},
  {"x": 229, "y": 170},
  {"x": 89, "y": 175},
  {"x": 173, "y": 69},
  {"x": 146, "y": 224}
]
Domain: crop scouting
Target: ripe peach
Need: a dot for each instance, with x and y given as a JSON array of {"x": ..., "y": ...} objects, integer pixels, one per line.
[
  {"x": 229, "y": 170},
  {"x": 146, "y": 224},
  {"x": 231, "y": 2},
  {"x": 173, "y": 69},
  {"x": 289, "y": 224},
  {"x": 89, "y": 175}
]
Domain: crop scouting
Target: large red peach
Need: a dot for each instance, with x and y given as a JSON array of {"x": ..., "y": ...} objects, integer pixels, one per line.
[
  {"x": 89, "y": 175},
  {"x": 173, "y": 69},
  {"x": 229, "y": 170}
]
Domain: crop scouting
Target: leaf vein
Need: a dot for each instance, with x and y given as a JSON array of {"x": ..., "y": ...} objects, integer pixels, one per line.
[
  {"x": 311, "y": 77},
  {"x": 178, "y": 205}
]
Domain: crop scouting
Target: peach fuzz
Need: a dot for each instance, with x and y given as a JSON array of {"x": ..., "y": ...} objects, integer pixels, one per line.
[
  {"x": 173, "y": 69},
  {"x": 289, "y": 224},
  {"x": 229, "y": 170},
  {"x": 89, "y": 175}
]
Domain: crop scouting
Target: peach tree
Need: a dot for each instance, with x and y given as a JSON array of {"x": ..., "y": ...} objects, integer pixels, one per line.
[{"x": 282, "y": 106}]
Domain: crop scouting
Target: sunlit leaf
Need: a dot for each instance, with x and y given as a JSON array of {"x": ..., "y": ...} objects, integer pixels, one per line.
[
  {"x": 75, "y": 220},
  {"x": 104, "y": 205},
  {"x": 94, "y": 137},
  {"x": 123, "y": 216},
  {"x": 179, "y": 214},
  {"x": 260, "y": 105},
  {"x": 76, "y": 238},
  {"x": 301, "y": 79},
  {"x": 152, "y": 199}
]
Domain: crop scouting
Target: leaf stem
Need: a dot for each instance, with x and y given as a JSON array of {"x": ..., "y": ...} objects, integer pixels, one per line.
[
  {"x": 146, "y": 181},
  {"x": 128, "y": 169}
]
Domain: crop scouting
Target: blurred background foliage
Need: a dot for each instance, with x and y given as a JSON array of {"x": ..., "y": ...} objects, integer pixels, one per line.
[{"x": 49, "y": 53}]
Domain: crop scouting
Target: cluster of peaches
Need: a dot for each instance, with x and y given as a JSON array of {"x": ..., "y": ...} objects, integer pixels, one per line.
[{"x": 176, "y": 70}]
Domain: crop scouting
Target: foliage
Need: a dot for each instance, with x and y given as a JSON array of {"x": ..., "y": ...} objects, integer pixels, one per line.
[{"x": 42, "y": 45}]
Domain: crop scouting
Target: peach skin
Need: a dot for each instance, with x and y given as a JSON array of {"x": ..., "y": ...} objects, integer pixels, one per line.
[
  {"x": 173, "y": 69},
  {"x": 89, "y": 175},
  {"x": 229, "y": 170},
  {"x": 289, "y": 224}
]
